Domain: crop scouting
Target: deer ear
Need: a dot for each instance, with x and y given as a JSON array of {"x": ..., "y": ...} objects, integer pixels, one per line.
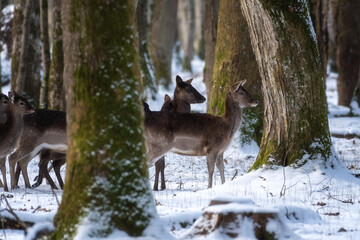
[
  {"x": 189, "y": 81},
  {"x": 178, "y": 80},
  {"x": 167, "y": 98},
  {"x": 12, "y": 96},
  {"x": 242, "y": 82}
]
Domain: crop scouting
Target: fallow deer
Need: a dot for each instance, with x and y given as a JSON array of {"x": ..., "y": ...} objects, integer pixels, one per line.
[
  {"x": 46, "y": 128},
  {"x": 184, "y": 95},
  {"x": 10, "y": 123},
  {"x": 46, "y": 155},
  {"x": 197, "y": 134}
]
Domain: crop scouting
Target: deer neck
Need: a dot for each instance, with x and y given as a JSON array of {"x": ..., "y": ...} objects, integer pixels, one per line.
[
  {"x": 232, "y": 115},
  {"x": 180, "y": 105},
  {"x": 16, "y": 124}
]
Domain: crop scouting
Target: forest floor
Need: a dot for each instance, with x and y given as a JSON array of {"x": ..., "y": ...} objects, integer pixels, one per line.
[{"x": 314, "y": 201}]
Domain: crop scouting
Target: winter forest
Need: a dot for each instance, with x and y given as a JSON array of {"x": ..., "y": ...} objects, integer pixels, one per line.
[{"x": 180, "y": 119}]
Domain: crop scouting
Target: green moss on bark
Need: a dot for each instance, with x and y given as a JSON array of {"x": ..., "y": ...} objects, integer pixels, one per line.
[{"x": 106, "y": 181}]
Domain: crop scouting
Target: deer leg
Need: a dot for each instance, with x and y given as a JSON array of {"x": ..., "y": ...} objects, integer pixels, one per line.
[
  {"x": 23, "y": 165},
  {"x": 210, "y": 160},
  {"x": 162, "y": 171},
  {"x": 3, "y": 171},
  {"x": 157, "y": 171},
  {"x": 17, "y": 175},
  {"x": 220, "y": 166},
  {"x": 156, "y": 151},
  {"x": 20, "y": 155},
  {"x": 57, "y": 165}
]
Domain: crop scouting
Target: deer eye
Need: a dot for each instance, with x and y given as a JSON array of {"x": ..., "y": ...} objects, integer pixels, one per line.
[
  {"x": 5, "y": 102},
  {"x": 22, "y": 103}
]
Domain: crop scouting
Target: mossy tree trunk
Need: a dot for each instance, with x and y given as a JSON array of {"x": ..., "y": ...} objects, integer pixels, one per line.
[
  {"x": 348, "y": 50},
  {"x": 162, "y": 39},
  {"x": 106, "y": 180},
  {"x": 295, "y": 109},
  {"x": 45, "y": 53},
  {"x": 186, "y": 23},
  {"x": 56, "y": 95},
  {"x": 210, "y": 31},
  {"x": 28, "y": 75},
  {"x": 235, "y": 61}
]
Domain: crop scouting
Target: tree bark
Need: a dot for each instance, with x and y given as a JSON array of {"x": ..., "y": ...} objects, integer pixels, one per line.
[
  {"x": 28, "y": 78},
  {"x": 45, "y": 50},
  {"x": 210, "y": 32},
  {"x": 106, "y": 180},
  {"x": 348, "y": 50},
  {"x": 186, "y": 23},
  {"x": 162, "y": 39},
  {"x": 235, "y": 61},
  {"x": 56, "y": 95},
  {"x": 295, "y": 109}
]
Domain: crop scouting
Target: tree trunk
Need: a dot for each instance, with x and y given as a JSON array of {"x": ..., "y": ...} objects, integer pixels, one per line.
[
  {"x": 332, "y": 30},
  {"x": 348, "y": 50},
  {"x": 28, "y": 78},
  {"x": 106, "y": 180},
  {"x": 210, "y": 31},
  {"x": 162, "y": 39},
  {"x": 320, "y": 9},
  {"x": 19, "y": 6},
  {"x": 199, "y": 44},
  {"x": 235, "y": 61},
  {"x": 145, "y": 63},
  {"x": 295, "y": 109},
  {"x": 56, "y": 95},
  {"x": 186, "y": 23},
  {"x": 45, "y": 47}
]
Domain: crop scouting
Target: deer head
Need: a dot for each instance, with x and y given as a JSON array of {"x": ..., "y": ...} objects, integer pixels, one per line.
[
  {"x": 168, "y": 105},
  {"x": 4, "y": 108},
  {"x": 19, "y": 104},
  {"x": 185, "y": 91},
  {"x": 239, "y": 95}
]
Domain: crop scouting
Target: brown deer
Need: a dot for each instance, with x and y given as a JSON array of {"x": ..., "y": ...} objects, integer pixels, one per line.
[
  {"x": 184, "y": 95},
  {"x": 197, "y": 134},
  {"x": 45, "y": 128},
  {"x": 10, "y": 123},
  {"x": 46, "y": 155}
]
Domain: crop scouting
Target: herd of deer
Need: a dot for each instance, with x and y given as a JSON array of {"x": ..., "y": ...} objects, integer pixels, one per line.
[{"x": 26, "y": 132}]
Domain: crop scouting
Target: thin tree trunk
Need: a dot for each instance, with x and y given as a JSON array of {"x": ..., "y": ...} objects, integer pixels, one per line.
[
  {"x": 19, "y": 6},
  {"x": 295, "y": 109},
  {"x": 199, "y": 44},
  {"x": 235, "y": 61},
  {"x": 186, "y": 23},
  {"x": 348, "y": 50},
  {"x": 56, "y": 96},
  {"x": 162, "y": 39},
  {"x": 321, "y": 10},
  {"x": 28, "y": 78},
  {"x": 146, "y": 65},
  {"x": 210, "y": 32},
  {"x": 45, "y": 47},
  {"x": 106, "y": 180},
  {"x": 332, "y": 30}
]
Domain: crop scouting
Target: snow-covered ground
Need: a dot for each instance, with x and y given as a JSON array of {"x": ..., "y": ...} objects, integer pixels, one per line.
[{"x": 313, "y": 201}]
